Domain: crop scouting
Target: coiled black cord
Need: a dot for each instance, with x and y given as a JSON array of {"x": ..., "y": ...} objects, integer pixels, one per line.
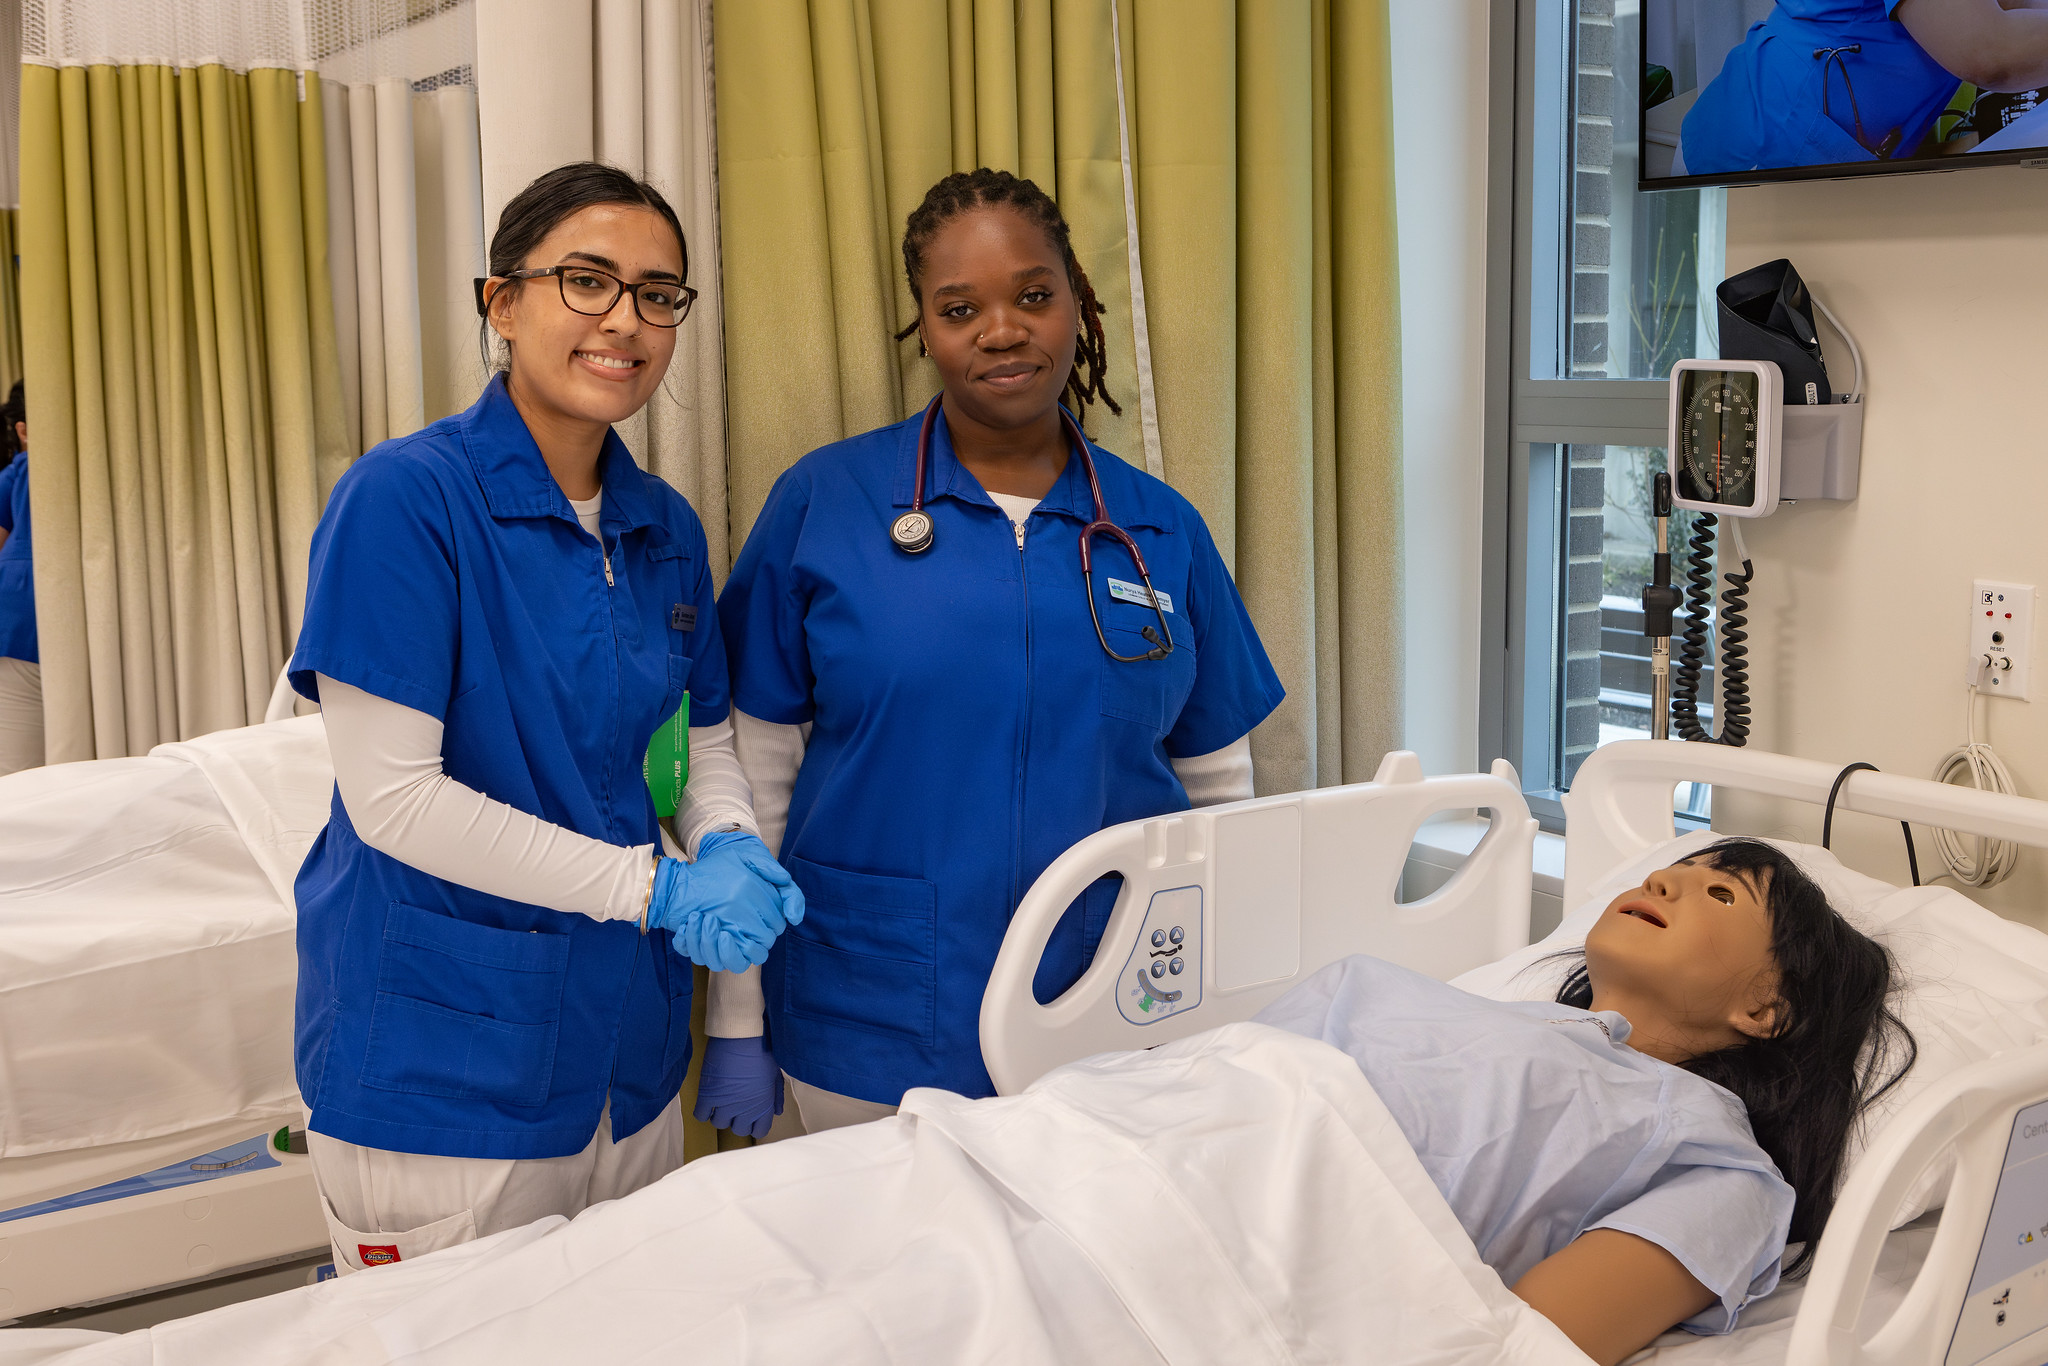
[{"x": 1692, "y": 648}]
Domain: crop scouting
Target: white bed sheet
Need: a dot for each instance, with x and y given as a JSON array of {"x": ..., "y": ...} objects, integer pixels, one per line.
[
  {"x": 1238, "y": 1197},
  {"x": 147, "y": 959}
]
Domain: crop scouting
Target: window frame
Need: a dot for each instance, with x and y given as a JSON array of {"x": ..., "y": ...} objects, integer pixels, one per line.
[{"x": 1531, "y": 422}]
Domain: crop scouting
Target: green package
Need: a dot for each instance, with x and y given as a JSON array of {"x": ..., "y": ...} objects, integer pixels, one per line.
[{"x": 667, "y": 765}]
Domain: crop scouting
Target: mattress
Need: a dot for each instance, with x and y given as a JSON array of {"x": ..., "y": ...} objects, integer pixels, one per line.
[{"x": 147, "y": 959}]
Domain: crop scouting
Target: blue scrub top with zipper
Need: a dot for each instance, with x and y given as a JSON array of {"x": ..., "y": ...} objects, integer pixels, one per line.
[
  {"x": 17, "y": 567},
  {"x": 967, "y": 728},
  {"x": 450, "y": 575},
  {"x": 1766, "y": 111}
]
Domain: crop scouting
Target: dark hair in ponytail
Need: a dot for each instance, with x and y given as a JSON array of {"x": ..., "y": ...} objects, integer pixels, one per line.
[
  {"x": 963, "y": 191},
  {"x": 13, "y": 411},
  {"x": 1837, "y": 1046},
  {"x": 542, "y": 207}
]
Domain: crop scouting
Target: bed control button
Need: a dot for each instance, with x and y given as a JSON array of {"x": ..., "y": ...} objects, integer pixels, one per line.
[{"x": 1162, "y": 977}]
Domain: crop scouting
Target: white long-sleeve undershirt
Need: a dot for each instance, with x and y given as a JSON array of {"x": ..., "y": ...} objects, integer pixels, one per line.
[
  {"x": 770, "y": 755},
  {"x": 387, "y": 767}
]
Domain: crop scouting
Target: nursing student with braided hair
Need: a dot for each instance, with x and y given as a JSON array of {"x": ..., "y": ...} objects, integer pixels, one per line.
[{"x": 925, "y": 730}]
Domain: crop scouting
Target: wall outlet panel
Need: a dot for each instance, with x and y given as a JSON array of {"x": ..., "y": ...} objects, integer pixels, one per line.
[{"x": 2001, "y": 630}]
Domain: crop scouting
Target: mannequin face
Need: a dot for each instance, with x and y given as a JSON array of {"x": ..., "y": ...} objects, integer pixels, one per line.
[
  {"x": 570, "y": 367},
  {"x": 1686, "y": 959},
  {"x": 999, "y": 317}
]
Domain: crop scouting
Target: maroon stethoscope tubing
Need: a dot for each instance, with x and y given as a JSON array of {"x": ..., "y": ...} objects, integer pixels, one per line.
[{"x": 912, "y": 533}]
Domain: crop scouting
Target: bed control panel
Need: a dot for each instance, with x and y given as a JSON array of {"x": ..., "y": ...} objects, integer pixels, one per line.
[
  {"x": 2005, "y": 1312},
  {"x": 1163, "y": 975}
]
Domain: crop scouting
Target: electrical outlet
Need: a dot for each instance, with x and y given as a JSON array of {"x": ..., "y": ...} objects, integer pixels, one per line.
[{"x": 2001, "y": 631}]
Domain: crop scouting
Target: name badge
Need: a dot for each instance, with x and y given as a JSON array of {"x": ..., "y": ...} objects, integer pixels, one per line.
[
  {"x": 682, "y": 617},
  {"x": 1135, "y": 592}
]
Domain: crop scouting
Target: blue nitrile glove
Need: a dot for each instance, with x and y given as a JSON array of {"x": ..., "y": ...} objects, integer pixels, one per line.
[
  {"x": 740, "y": 1087},
  {"x": 725, "y": 909},
  {"x": 756, "y": 855}
]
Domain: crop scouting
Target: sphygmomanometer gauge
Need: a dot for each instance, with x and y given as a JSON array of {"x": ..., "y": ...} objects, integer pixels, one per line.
[{"x": 1725, "y": 420}]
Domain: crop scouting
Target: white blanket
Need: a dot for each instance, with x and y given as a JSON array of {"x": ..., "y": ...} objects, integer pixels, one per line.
[
  {"x": 147, "y": 960},
  {"x": 1239, "y": 1197}
]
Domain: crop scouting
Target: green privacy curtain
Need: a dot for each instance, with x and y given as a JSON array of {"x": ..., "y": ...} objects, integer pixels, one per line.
[
  {"x": 1262, "y": 185},
  {"x": 1262, "y": 146},
  {"x": 183, "y": 395}
]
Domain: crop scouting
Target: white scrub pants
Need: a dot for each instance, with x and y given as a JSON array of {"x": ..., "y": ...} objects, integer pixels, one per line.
[
  {"x": 21, "y": 716},
  {"x": 820, "y": 1109},
  {"x": 386, "y": 1206}
]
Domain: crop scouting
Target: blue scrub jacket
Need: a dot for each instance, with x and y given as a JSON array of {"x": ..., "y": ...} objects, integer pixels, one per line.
[
  {"x": 17, "y": 568},
  {"x": 450, "y": 575},
  {"x": 967, "y": 729},
  {"x": 1764, "y": 111}
]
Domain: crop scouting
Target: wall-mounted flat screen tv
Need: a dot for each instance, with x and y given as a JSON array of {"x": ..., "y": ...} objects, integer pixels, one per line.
[{"x": 1742, "y": 91}]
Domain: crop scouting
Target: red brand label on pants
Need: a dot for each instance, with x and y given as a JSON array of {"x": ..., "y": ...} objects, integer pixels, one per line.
[{"x": 376, "y": 1254}]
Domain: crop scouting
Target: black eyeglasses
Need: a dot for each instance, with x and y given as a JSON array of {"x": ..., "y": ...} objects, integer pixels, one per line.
[{"x": 594, "y": 293}]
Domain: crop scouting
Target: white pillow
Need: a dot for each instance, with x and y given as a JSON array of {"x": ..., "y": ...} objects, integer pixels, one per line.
[{"x": 1974, "y": 985}]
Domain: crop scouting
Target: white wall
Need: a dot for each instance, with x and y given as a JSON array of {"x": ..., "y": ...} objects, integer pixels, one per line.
[
  {"x": 1439, "y": 60},
  {"x": 1860, "y": 621}
]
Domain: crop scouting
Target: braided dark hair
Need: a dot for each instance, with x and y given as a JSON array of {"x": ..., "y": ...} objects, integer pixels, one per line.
[{"x": 982, "y": 188}]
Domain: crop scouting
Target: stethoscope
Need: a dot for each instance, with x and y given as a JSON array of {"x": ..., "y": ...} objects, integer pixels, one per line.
[
  {"x": 1831, "y": 57},
  {"x": 911, "y": 533}
]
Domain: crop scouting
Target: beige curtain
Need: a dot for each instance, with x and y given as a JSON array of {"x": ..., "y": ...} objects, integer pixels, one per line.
[
  {"x": 1260, "y": 142},
  {"x": 626, "y": 82},
  {"x": 183, "y": 393}
]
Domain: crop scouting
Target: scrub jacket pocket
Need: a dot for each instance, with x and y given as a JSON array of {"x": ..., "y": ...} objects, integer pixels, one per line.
[
  {"x": 865, "y": 953},
  {"x": 1150, "y": 692},
  {"x": 465, "y": 1010}
]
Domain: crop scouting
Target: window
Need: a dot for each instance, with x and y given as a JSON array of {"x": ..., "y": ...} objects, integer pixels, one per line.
[{"x": 1610, "y": 286}]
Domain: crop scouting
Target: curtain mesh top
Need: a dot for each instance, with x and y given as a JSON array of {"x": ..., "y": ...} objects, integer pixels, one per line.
[{"x": 430, "y": 42}]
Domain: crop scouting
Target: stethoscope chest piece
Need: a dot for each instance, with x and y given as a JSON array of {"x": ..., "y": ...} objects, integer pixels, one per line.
[{"x": 912, "y": 532}]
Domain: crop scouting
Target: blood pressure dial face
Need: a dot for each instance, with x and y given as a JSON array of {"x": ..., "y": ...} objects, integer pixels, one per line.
[{"x": 1717, "y": 437}]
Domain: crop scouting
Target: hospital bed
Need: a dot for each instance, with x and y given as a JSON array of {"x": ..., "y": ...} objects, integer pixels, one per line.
[
  {"x": 1250, "y": 898},
  {"x": 1970, "y": 1125},
  {"x": 147, "y": 971}
]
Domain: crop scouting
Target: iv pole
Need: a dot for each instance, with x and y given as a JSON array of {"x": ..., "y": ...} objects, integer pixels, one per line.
[{"x": 1660, "y": 600}]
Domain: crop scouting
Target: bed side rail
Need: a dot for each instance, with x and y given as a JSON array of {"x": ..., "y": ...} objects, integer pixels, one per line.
[
  {"x": 1620, "y": 801},
  {"x": 1974, "y": 1109},
  {"x": 1224, "y": 908}
]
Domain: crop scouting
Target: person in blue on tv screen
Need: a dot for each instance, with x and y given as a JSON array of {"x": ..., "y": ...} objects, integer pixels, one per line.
[{"x": 1824, "y": 82}]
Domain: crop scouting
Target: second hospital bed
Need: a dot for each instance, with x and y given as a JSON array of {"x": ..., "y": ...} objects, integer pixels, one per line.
[
  {"x": 147, "y": 965},
  {"x": 1248, "y": 899}
]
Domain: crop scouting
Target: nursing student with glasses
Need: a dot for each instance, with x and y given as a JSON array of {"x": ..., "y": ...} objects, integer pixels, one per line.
[
  {"x": 960, "y": 644},
  {"x": 495, "y": 957}
]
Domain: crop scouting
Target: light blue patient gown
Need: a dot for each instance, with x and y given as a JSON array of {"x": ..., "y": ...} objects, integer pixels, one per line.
[
  {"x": 1538, "y": 1123},
  {"x": 1782, "y": 100}
]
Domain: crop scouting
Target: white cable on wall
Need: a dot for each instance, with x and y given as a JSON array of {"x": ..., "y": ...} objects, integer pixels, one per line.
[
  {"x": 1990, "y": 861},
  {"x": 1855, "y": 394}
]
